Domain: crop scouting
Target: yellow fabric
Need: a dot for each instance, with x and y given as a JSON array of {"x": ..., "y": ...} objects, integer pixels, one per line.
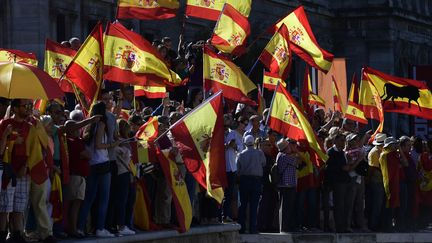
[
  {"x": 301, "y": 38},
  {"x": 338, "y": 101},
  {"x": 269, "y": 80},
  {"x": 56, "y": 63},
  {"x": 426, "y": 182},
  {"x": 374, "y": 157},
  {"x": 308, "y": 169},
  {"x": 150, "y": 89},
  {"x": 228, "y": 29},
  {"x": 7, "y": 156},
  {"x": 351, "y": 110},
  {"x": 174, "y": 4},
  {"x": 314, "y": 97},
  {"x": 141, "y": 215},
  {"x": 278, "y": 47},
  {"x": 6, "y": 56},
  {"x": 284, "y": 109},
  {"x": 243, "y": 6},
  {"x": 36, "y": 140},
  {"x": 144, "y": 63},
  {"x": 201, "y": 124},
  {"x": 384, "y": 172},
  {"x": 226, "y": 73},
  {"x": 179, "y": 188},
  {"x": 15, "y": 80}
]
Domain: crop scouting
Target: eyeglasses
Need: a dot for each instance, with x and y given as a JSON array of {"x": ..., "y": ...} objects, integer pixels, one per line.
[{"x": 27, "y": 106}]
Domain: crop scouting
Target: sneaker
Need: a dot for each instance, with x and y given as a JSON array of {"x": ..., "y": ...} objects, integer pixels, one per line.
[
  {"x": 126, "y": 231},
  {"x": 227, "y": 219},
  {"x": 103, "y": 233}
]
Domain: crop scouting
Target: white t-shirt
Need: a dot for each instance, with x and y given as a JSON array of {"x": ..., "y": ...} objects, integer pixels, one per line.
[{"x": 230, "y": 153}]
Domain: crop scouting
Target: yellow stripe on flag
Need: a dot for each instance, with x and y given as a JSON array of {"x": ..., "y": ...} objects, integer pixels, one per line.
[
  {"x": 56, "y": 63},
  {"x": 149, "y": 4}
]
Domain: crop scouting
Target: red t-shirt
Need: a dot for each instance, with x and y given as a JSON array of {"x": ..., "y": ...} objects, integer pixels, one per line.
[
  {"x": 19, "y": 155},
  {"x": 77, "y": 165}
]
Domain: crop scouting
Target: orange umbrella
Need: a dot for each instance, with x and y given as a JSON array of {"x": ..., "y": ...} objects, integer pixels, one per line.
[{"x": 24, "y": 81}]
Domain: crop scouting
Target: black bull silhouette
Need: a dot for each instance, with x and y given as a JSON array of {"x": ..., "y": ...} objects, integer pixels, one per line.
[{"x": 393, "y": 92}]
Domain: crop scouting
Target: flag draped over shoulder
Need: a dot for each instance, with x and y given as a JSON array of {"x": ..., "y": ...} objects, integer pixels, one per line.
[
  {"x": 176, "y": 183},
  {"x": 131, "y": 59},
  {"x": 57, "y": 59},
  {"x": 222, "y": 74},
  {"x": 210, "y": 9},
  {"x": 231, "y": 31},
  {"x": 270, "y": 81},
  {"x": 152, "y": 90},
  {"x": 276, "y": 56},
  {"x": 147, "y": 10},
  {"x": 302, "y": 40},
  {"x": 201, "y": 143},
  {"x": 336, "y": 97},
  {"x": 399, "y": 95},
  {"x": 142, "y": 209},
  {"x": 9, "y": 55},
  {"x": 354, "y": 110},
  {"x": 85, "y": 70},
  {"x": 288, "y": 119}
]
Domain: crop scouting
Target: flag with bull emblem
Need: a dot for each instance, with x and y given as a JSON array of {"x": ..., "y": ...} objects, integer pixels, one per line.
[{"x": 398, "y": 94}]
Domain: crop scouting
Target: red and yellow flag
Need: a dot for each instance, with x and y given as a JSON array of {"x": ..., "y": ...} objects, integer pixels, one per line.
[
  {"x": 399, "y": 95},
  {"x": 176, "y": 183},
  {"x": 276, "y": 56},
  {"x": 147, "y": 9},
  {"x": 9, "y": 55},
  {"x": 288, "y": 119},
  {"x": 336, "y": 97},
  {"x": 222, "y": 74},
  {"x": 201, "y": 144},
  {"x": 308, "y": 96},
  {"x": 57, "y": 59},
  {"x": 302, "y": 40},
  {"x": 129, "y": 58},
  {"x": 146, "y": 134},
  {"x": 143, "y": 219},
  {"x": 231, "y": 31},
  {"x": 210, "y": 9},
  {"x": 354, "y": 110},
  {"x": 152, "y": 90},
  {"x": 56, "y": 198},
  {"x": 270, "y": 81},
  {"x": 85, "y": 70}
]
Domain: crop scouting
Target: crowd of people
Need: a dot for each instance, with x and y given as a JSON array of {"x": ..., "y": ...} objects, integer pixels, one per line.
[{"x": 274, "y": 184}]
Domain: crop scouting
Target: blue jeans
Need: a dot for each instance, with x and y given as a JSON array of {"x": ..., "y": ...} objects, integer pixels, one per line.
[
  {"x": 308, "y": 197},
  {"x": 97, "y": 184},
  {"x": 250, "y": 192},
  {"x": 376, "y": 204}
]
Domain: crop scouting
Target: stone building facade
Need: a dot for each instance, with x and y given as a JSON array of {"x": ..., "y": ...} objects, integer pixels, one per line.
[{"x": 388, "y": 35}]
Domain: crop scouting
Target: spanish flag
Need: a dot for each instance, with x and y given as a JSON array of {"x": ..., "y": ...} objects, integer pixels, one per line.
[
  {"x": 176, "y": 183},
  {"x": 231, "y": 31},
  {"x": 288, "y": 119},
  {"x": 399, "y": 95},
  {"x": 354, "y": 111},
  {"x": 131, "y": 59},
  {"x": 200, "y": 140},
  {"x": 390, "y": 173},
  {"x": 276, "y": 56},
  {"x": 308, "y": 96},
  {"x": 270, "y": 81},
  {"x": 37, "y": 142},
  {"x": 210, "y": 9},
  {"x": 302, "y": 40},
  {"x": 40, "y": 105},
  {"x": 147, "y": 10},
  {"x": 337, "y": 101},
  {"x": 85, "y": 70},
  {"x": 153, "y": 90},
  {"x": 146, "y": 134},
  {"x": 56, "y": 198},
  {"x": 9, "y": 55},
  {"x": 222, "y": 74},
  {"x": 57, "y": 59},
  {"x": 143, "y": 218}
]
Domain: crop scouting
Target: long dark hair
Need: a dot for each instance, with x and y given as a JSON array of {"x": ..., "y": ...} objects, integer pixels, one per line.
[{"x": 98, "y": 109}]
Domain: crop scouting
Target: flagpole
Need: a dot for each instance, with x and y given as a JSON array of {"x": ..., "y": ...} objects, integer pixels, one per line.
[
  {"x": 271, "y": 104},
  {"x": 253, "y": 67},
  {"x": 203, "y": 74},
  {"x": 190, "y": 113}
]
